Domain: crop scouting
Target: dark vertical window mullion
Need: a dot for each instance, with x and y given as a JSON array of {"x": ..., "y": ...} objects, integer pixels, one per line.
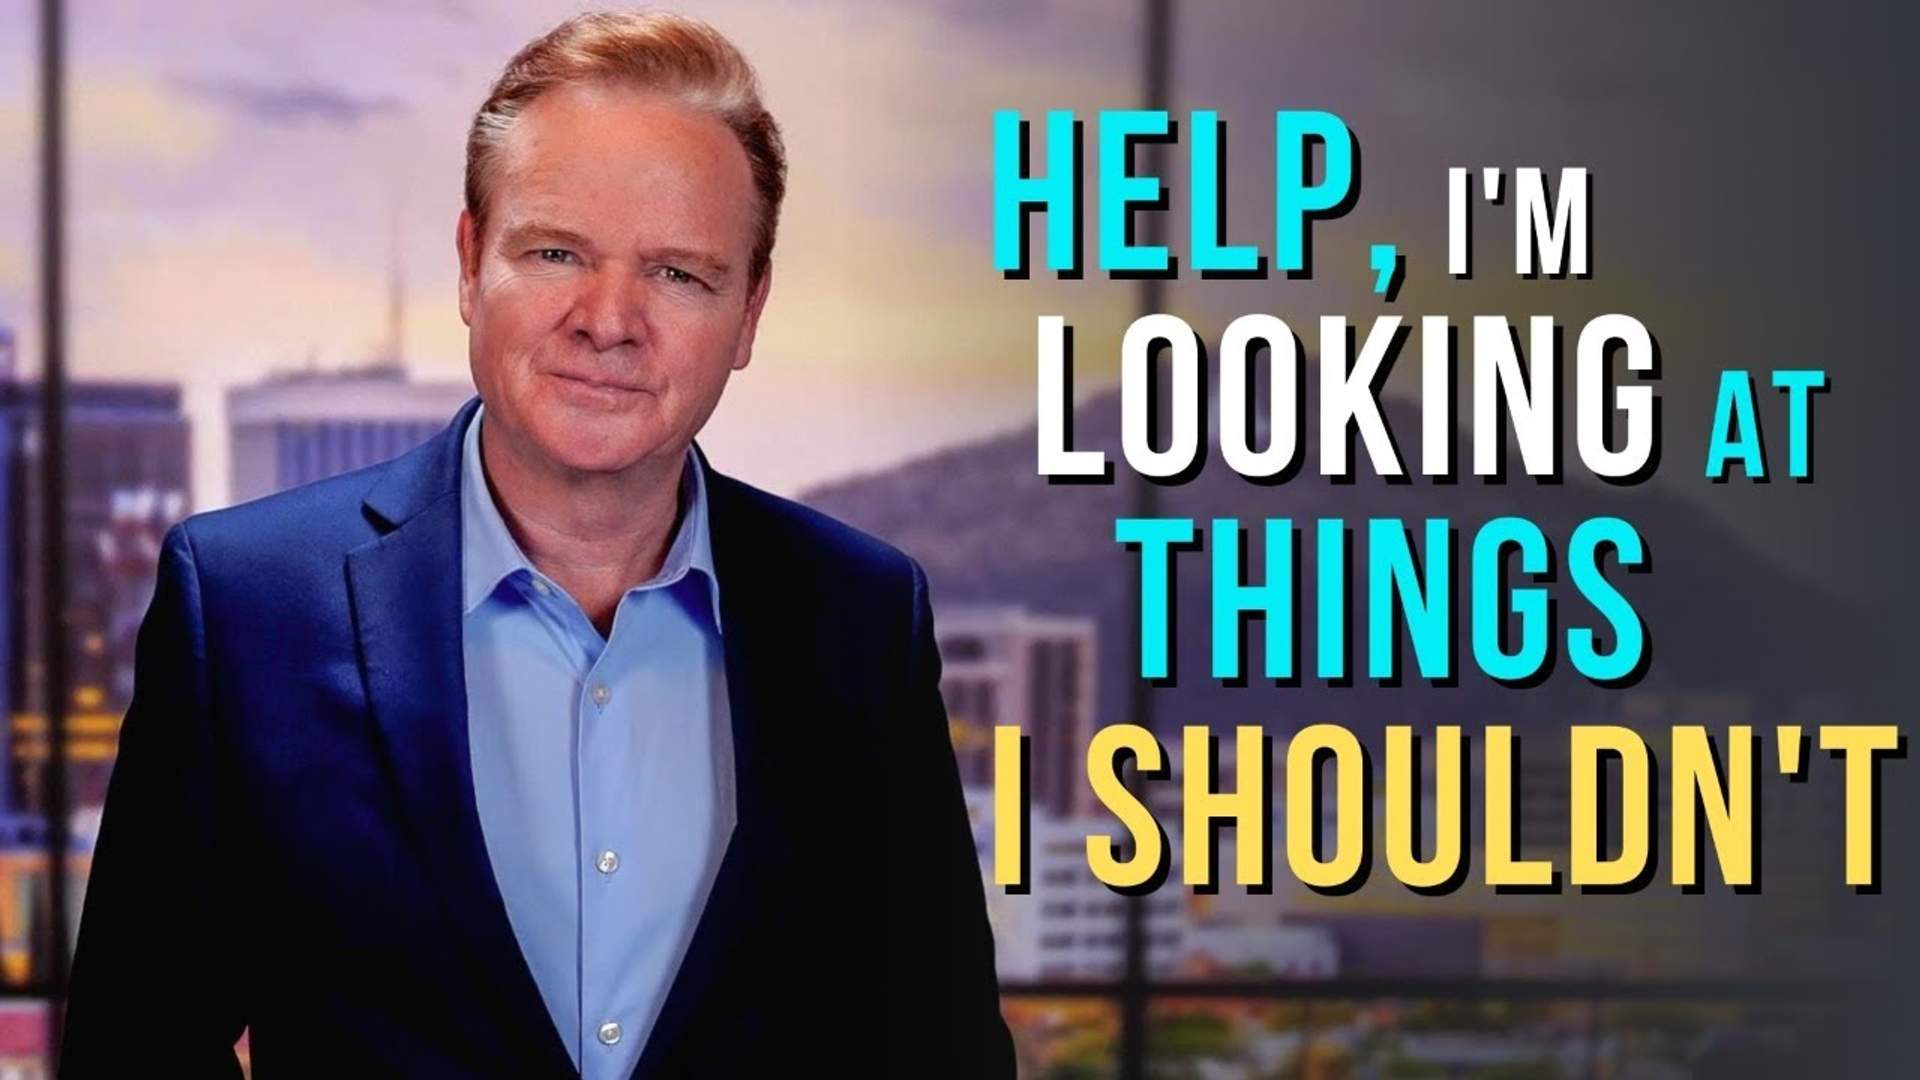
[
  {"x": 1157, "y": 29},
  {"x": 53, "y": 454}
]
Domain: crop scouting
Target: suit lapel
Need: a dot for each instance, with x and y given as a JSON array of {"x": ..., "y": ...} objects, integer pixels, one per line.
[
  {"x": 750, "y": 600},
  {"x": 405, "y": 589}
]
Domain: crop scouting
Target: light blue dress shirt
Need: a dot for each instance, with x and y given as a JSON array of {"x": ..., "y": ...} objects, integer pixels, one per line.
[{"x": 603, "y": 768}]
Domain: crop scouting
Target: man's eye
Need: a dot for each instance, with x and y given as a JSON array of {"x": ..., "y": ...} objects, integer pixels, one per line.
[
  {"x": 678, "y": 276},
  {"x": 553, "y": 255}
]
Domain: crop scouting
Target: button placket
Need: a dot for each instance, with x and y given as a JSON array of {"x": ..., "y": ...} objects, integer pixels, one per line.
[{"x": 600, "y": 737}]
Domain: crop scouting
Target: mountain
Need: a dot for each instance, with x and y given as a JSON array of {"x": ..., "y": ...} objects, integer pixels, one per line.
[{"x": 1719, "y": 618}]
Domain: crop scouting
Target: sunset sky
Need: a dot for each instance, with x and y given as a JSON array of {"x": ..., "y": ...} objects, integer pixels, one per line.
[{"x": 241, "y": 173}]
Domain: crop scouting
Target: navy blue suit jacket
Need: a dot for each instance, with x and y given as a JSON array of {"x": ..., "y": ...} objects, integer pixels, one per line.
[{"x": 290, "y": 843}]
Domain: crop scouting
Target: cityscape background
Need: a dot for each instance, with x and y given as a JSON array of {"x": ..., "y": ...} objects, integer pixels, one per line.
[{"x": 260, "y": 214}]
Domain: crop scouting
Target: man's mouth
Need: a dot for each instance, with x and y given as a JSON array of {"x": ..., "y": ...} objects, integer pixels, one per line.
[{"x": 597, "y": 383}]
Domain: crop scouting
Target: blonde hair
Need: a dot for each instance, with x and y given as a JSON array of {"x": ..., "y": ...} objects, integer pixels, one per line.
[{"x": 683, "y": 58}]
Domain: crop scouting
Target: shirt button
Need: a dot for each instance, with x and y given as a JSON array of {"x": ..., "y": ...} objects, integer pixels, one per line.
[
  {"x": 608, "y": 862},
  {"x": 609, "y": 1033},
  {"x": 601, "y": 693},
  {"x": 541, "y": 587}
]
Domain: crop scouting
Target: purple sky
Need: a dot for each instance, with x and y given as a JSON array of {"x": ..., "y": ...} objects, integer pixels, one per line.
[{"x": 242, "y": 171}]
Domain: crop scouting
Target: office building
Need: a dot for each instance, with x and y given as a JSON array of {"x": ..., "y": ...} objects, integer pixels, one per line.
[
  {"x": 126, "y": 482},
  {"x": 298, "y": 427},
  {"x": 1007, "y": 665}
]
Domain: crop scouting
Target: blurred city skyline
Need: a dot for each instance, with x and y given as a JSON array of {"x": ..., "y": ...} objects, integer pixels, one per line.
[{"x": 252, "y": 186}]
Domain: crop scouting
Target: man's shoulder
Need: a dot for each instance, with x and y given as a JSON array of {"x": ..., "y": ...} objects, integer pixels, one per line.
[
  {"x": 318, "y": 520},
  {"x": 757, "y": 524}
]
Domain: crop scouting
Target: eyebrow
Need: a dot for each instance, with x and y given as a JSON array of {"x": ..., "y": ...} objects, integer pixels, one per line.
[
  {"x": 713, "y": 264},
  {"x": 528, "y": 232}
]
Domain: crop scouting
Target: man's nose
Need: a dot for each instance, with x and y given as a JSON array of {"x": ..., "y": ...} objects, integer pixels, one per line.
[{"x": 610, "y": 310}]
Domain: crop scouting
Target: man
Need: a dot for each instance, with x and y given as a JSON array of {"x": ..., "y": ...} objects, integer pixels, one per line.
[{"x": 546, "y": 749}]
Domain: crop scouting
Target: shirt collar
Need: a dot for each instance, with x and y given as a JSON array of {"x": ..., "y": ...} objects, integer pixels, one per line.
[{"x": 489, "y": 553}]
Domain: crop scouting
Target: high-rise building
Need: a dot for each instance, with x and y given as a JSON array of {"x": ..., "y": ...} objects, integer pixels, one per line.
[
  {"x": 295, "y": 428},
  {"x": 1067, "y": 924},
  {"x": 1007, "y": 665},
  {"x": 126, "y": 481}
]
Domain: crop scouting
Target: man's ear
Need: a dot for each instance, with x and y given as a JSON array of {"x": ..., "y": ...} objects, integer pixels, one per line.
[
  {"x": 756, "y": 303},
  {"x": 466, "y": 243}
]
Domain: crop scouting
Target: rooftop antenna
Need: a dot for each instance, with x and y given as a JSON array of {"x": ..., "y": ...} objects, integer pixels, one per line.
[{"x": 396, "y": 294}]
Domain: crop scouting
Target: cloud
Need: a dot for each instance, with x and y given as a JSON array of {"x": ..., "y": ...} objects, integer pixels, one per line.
[
  {"x": 220, "y": 302},
  {"x": 120, "y": 119},
  {"x": 290, "y": 103},
  {"x": 13, "y": 268}
]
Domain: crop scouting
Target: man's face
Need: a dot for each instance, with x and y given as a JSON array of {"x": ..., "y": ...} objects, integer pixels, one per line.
[{"x": 607, "y": 300}]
